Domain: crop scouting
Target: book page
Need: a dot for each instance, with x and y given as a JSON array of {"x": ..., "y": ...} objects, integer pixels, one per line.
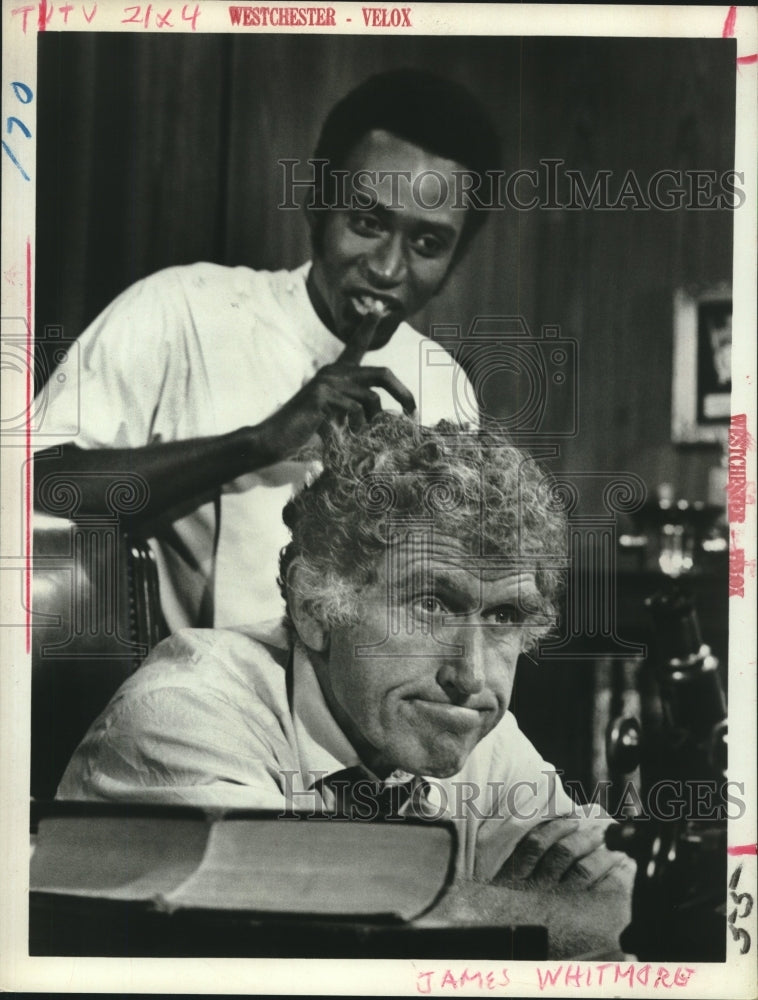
[
  {"x": 337, "y": 869},
  {"x": 116, "y": 858}
]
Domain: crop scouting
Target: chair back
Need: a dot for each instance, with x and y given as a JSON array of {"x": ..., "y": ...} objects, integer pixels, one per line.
[{"x": 96, "y": 615}]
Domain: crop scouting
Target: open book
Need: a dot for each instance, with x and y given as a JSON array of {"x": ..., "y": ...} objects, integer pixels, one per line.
[{"x": 254, "y": 862}]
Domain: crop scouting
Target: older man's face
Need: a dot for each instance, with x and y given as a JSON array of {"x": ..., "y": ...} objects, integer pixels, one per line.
[
  {"x": 394, "y": 255},
  {"x": 429, "y": 670}
]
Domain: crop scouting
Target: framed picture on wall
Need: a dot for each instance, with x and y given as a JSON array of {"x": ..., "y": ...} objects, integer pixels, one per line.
[{"x": 702, "y": 371}]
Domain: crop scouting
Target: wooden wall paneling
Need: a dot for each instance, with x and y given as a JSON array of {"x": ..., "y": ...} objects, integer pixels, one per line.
[
  {"x": 608, "y": 277},
  {"x": 177, "y": 188},
  {"x": 130, "y": 158},
  {"x": 66, "y": 65}
]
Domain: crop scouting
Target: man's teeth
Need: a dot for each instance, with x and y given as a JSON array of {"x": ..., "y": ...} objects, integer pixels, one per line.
[{"x": 366, "y": 304}]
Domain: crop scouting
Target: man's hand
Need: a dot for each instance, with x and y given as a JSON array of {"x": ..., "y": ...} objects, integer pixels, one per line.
[
  {"x": 563, "y": 877},
  {"x": 175, "y": 472},
  {"x": 570, "y": 853},
  {"x": 340, "y": 391}
]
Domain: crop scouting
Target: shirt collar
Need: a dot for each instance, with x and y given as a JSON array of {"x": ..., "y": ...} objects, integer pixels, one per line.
[{"x": 323, "y": 746}]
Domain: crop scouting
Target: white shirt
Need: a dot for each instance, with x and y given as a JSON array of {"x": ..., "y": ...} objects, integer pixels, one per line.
[
  {"x": 203, "y": 350},
  {"x": 207, "y": 721}
]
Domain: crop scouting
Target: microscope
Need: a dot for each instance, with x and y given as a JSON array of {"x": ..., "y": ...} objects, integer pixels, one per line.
[{"x": 679, "y": 844}]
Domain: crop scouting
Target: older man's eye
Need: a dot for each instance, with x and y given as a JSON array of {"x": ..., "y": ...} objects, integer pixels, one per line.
[
  {"x": 504, "y": 614},
  {"x": 429, "y": 606}
]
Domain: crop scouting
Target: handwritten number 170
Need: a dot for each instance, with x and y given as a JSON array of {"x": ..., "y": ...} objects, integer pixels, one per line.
[{"x": 25, "y": 96}]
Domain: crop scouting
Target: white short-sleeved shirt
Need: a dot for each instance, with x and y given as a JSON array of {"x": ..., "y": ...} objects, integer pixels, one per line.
[
  {"x": 207, "y": 720},
  {"x": 203, "y": 350}
]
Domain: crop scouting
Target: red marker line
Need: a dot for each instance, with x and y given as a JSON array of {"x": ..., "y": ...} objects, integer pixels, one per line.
[
  {"x": 42, "y": 20},
  {"x": 741, "y": 849},
  {"x": 730, "y": 23},
  {"x": 28, "y": 466}
]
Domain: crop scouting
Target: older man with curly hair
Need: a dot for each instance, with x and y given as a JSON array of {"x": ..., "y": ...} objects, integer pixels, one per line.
[{"x": 423, "y": 563}]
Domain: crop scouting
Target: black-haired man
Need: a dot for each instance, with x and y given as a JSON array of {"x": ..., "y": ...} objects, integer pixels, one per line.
[{"x": 208, "y": 381}]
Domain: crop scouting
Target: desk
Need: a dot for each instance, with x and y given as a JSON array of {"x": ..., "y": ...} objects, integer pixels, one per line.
[
  {"x": 472, "y": 922},
  {"x": 64, "y": 925}
]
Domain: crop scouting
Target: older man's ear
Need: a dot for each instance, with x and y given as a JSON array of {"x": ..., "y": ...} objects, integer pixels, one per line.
[{"x": 309, "y": 628}]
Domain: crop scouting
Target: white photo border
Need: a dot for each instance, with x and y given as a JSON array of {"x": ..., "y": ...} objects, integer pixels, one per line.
[{"x": 17, "y": 970}]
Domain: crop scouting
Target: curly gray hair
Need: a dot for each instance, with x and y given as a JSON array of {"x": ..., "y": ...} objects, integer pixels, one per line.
[{"x": 473, "y": 486}]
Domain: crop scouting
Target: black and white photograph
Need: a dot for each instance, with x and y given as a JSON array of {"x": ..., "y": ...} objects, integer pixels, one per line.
[{"x": 378, "y": 537}]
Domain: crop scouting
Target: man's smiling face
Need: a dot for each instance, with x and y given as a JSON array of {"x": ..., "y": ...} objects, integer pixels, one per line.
[
  {"x": 429, "y": 670},
  {"x": 394, "y": 255}
]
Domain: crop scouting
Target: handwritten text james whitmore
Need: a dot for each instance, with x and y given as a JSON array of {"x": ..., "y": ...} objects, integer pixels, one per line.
[{"x": 555, "y": 978}]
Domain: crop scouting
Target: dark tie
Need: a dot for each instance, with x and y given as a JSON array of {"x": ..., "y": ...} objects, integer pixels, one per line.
[{"x": 359, "y": 796}]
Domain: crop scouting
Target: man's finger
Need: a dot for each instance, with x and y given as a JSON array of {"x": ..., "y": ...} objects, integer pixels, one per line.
[
  {"x": 361, "y": 339},
  {"x": 569, "y": 851},
  {"x": 596, "y": 867},
  {"x": 338, "y": 409},
  {"x": 387, "y": 380},
  {"x": 619, "y": 876},
  {"x": 368, "y": 399},
  {"x": 531, "y": 848}
]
